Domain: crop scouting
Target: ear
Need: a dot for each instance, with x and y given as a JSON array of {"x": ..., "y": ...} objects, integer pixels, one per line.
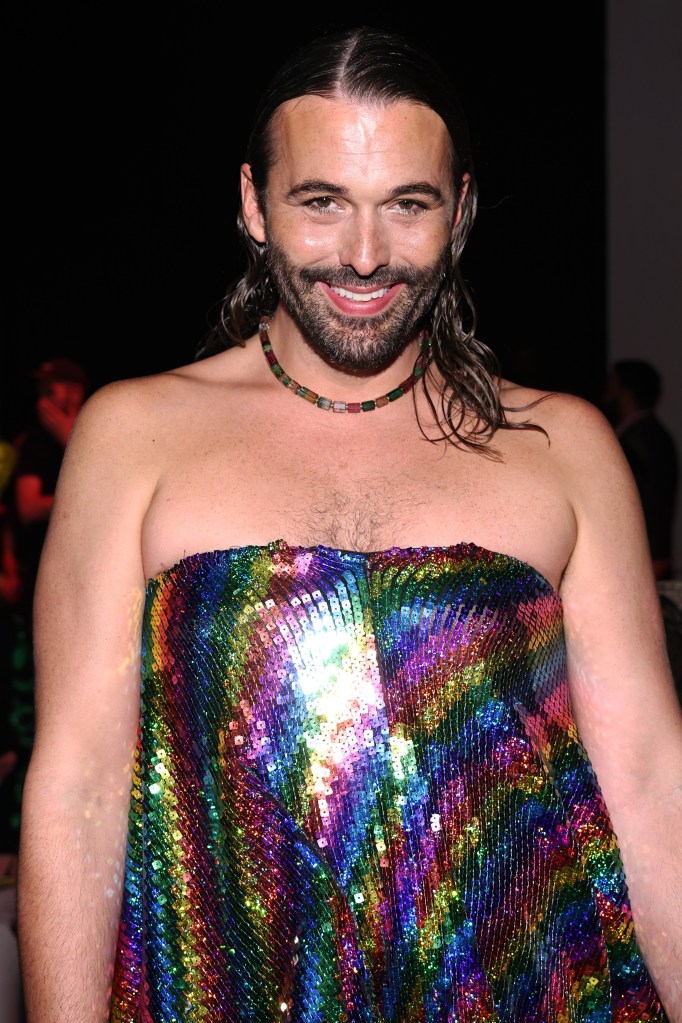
[
  {"x": 251, "y": 208},
  {"x": 464, "y": 188}
]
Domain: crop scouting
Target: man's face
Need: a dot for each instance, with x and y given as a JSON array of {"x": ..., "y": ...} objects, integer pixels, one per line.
[{"x": 359, "y": 212}]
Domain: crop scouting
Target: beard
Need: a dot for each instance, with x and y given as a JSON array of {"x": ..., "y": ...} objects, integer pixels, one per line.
[{"x": 357, "y": 344}]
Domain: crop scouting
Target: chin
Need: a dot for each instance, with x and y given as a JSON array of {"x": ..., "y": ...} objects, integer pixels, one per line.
[{"x": 357, "y": 344}]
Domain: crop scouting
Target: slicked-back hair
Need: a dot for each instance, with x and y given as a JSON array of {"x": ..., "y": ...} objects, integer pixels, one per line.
[{"x": 377, "y": 67}]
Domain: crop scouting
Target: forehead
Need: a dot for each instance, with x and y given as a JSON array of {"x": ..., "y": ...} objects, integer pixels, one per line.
[{"x": 338, "y": 140}]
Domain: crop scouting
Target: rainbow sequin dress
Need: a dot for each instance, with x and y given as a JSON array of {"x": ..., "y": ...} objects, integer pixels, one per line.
[{"x": 359, "y": 796}]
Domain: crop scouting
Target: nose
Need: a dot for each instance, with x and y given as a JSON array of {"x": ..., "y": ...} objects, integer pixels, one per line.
[{"x": 365, "y": 245}]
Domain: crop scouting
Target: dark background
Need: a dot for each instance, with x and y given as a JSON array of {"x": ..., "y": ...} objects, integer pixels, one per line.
[{"x": 124, "y": 131}]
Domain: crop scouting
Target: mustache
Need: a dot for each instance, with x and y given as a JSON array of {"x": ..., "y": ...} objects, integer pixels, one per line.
[{"x": 346, "y": 277}]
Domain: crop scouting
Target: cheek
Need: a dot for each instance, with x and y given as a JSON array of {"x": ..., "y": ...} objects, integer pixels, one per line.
[
  {"x": 302, "y": 240},
  {"x": 427, "y": 244},
  {"x": 421, "y": 246}
]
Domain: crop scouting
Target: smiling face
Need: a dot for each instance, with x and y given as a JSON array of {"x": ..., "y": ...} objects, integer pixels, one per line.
[{"x": 358, "y": 216}]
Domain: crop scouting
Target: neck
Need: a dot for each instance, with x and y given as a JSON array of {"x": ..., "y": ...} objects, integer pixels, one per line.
[
  {"x": 303, "y": 361},
  {"x": 335, "y": 403}
]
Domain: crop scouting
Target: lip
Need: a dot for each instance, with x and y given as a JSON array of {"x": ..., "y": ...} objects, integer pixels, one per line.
[{"x": 365, "y": 306}]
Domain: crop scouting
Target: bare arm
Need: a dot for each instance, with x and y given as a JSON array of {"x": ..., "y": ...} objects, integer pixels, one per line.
[
  {"x": 87, "y": 622},
  {"x": 623, "y": 694}
]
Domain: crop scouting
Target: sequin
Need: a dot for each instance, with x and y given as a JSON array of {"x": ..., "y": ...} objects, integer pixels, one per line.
[{"x": 360, "y": 797}]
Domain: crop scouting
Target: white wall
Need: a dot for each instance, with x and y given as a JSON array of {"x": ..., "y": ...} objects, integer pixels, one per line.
[{"x": 644, "y": 196}]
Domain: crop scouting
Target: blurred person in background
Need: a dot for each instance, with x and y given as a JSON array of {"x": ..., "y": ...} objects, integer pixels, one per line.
[
  {"x": 631, "y": 398},
  {"x": 61, "y": 386},
  {"x": 10, "y": 591},
  {"x": 11, "y": 1007},
  {"x": 30, "y": 467}
]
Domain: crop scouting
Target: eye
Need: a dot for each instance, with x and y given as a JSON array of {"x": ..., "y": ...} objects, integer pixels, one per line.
[
  {"x": 322, "y": 204},
  {"x": 409, "y": 207}
]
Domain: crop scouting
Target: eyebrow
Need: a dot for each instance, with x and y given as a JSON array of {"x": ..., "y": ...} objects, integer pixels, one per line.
[{"x": 317, "y": 186}]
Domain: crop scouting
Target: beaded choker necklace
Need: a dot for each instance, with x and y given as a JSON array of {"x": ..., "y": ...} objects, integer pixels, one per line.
[{"x": 345, "y": 406}]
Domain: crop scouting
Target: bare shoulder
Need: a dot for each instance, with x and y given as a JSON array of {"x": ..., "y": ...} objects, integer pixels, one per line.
[
  {"x": 135, "y": 402},
  {"x": 124, "y": 443},
  {"x": 611, "y": 554},
  {"x": 554, "y": 406},
  {"x": 584, "y": 456},
  {"x": 141, "y": 416},
  {"x": 579, "y": 435}
]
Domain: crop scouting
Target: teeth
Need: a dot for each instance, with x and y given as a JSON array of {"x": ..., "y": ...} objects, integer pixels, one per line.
[{"x": 355, "y": 297}]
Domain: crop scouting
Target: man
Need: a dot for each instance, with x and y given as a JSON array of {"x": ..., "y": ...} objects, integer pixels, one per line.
[
  {"x": 61, "y": 385},
  {"x": 387, "y": 615},
  {"x": 631, "y": 398}
]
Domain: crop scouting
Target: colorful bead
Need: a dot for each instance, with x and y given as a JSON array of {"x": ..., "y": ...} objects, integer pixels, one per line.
[{"x": 345, "y": 406}]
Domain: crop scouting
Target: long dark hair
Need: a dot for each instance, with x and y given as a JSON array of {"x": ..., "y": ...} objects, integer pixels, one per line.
[{"x": 376, "y": 66}]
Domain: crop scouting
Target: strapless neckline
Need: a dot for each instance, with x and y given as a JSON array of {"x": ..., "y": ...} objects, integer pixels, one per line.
[{"x": 464, "y": 548}]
